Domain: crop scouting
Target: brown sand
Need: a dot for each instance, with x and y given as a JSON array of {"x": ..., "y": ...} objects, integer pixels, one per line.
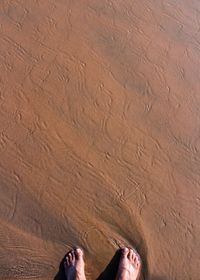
[{"x": 99, "y": 134}]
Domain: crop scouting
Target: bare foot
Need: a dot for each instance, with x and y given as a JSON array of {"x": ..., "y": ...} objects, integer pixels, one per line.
[
  {"x": 74, "y": 265},
  {"x": 129, "y": 265}
]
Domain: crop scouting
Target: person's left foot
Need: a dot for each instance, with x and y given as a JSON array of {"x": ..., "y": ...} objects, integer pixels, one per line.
[{"x": 74, "y": 265}]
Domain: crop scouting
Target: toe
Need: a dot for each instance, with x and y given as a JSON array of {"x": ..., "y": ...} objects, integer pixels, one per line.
[
  {"x": 70, "y": 257},
  {"x": 78, "y": 253},
  {"x": 67, "y": 260},
  {"x": 138, "y": 261},
  {"x": 73, "y": 256},
  {"x": 65, "y": 264},
  {"x": 131, "y": 255},
  {"x": 125, "y": 252}
]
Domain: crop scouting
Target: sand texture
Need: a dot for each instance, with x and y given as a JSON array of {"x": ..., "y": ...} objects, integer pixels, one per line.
[{"x": 99, "y": 135}]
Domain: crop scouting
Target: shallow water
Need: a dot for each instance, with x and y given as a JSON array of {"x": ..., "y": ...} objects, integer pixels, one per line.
[{"x": 99, "y": 135}]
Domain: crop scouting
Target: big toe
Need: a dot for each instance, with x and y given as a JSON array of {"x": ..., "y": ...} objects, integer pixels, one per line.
[
  {"x": 79, "y": 253},
  {"x": 125, "y": 252}
]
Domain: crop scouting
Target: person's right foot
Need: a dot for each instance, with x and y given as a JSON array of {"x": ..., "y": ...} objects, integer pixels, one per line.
[
  {"x": 129, "y": 265},
  {"x": 74, "y": 265}
]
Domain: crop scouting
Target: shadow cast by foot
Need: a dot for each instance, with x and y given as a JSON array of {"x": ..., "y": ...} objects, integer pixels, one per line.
[
  {"x": 110, "y": 271},
  {"x": 61, "y": 273}
]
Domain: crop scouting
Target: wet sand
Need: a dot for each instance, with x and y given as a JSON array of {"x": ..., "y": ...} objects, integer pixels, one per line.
[{"x": 99, "y": 135}]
